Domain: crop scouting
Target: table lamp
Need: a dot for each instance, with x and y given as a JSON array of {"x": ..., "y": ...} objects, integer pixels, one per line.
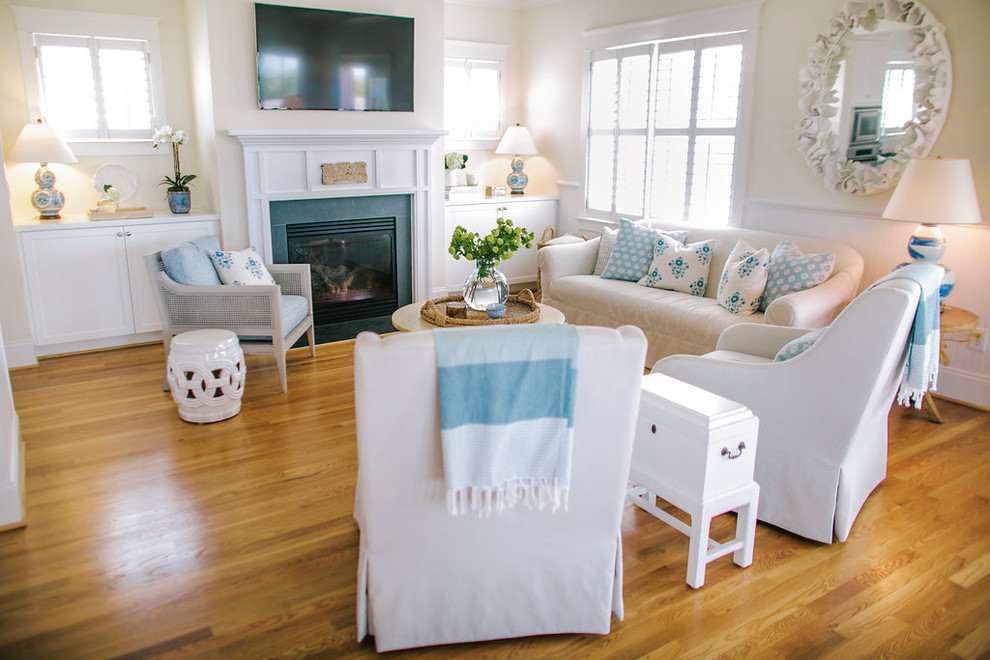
[
  {"x": 933, "y": 192},
  {"x": 518, "y": 142},
  {"x": 39, "y": 143}
]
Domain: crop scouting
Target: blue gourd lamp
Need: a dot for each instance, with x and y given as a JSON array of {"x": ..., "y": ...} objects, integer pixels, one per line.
[
  {"x": 518, "y": 142},
  {"x": 933, "y": 192},
  {"x": 38, "y": 143}
]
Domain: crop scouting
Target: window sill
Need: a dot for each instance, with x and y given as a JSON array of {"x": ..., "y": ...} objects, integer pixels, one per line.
[
  {"x": 471, "y": 144},
  {"x": 84, "y": 147}
]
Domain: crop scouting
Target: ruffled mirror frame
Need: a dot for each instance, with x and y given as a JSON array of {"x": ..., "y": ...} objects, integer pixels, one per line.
[{"x": 819, "y": 100}]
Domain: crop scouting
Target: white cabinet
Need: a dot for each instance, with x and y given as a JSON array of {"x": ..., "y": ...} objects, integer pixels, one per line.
[
  {"x": 535, "y": 214},
  {"x": 88, "y": 281}
]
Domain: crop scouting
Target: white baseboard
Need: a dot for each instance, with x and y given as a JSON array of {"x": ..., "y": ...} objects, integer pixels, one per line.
[
  {"x": 20, "y": 354},
  {"x": 964, "y": 386}
]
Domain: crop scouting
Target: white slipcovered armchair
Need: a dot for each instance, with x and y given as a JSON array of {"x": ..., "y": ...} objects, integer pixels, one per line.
[
  {"x": 823, "y": 415},
  {"x": 268, "y": 319},
  {"x": 427, "y": 578}
]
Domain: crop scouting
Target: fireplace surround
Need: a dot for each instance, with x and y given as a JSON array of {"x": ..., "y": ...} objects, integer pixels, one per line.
[{"x": 285, "y": 167}]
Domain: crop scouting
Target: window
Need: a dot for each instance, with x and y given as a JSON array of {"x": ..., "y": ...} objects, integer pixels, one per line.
[
  {"x": 473, "y": 90},
  {"x": 94, "y": 77},
  {"x": 665, "y": 128},
  {"x": 898, "y": 96}
]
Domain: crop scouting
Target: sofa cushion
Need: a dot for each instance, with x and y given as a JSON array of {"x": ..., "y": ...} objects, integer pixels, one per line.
[
  {"x": 242, "y": 267},
  {"x": 791, "y": 270},
  {"x": 795, "y": 347},
  {"x": 189, "y": 263},
  {"x": 632, "y": 253},
  {"x": 679, "y": 267},
  {"x": 294, "y": 310},
  {"x": 743, "y": 279}
]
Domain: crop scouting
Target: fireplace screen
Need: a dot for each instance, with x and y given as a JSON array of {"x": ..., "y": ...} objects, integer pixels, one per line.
[{"x": 352, "y": 265}]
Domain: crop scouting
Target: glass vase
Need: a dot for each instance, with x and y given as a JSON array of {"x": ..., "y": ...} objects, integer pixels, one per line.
[{"x": 485, "y": 285}]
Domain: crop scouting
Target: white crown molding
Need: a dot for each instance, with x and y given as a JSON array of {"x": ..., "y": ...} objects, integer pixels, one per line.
[{"x": 511, "y": 5}]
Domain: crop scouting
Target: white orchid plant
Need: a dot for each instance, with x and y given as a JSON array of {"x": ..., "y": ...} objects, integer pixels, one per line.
[{"x": 167, "y": 135}]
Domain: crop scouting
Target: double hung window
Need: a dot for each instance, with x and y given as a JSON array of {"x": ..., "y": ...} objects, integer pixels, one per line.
[
  {"x": 667, "y": 119},
  {"x": 472, "y": 78},
  {"x": 95, "y": 78}
]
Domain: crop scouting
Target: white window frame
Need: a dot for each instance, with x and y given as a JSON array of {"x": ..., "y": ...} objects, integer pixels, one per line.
[
  {"x": 484, "y": 52},
  {"x": 30, "y": 21},
  {"x": 742, "y": 18}
]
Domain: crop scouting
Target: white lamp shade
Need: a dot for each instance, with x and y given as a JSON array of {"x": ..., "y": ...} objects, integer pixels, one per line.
[
  {"x": 935, "y": 191},
  {"x": 38, "y": 143},
  {"x": 517, "y": 141}
]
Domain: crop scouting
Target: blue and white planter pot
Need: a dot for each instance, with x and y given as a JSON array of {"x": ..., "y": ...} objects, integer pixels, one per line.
[{"x": 179, "y": 201}]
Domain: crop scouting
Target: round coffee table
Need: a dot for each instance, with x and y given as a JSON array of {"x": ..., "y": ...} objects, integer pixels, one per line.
[{"x": 407, "y": 318}]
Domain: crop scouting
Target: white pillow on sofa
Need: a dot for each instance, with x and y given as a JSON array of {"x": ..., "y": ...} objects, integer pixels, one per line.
[
  {"x": 743, "y": 279},
  {"x": 679, "y": 267},
  {"x": 241, "y": 267}
]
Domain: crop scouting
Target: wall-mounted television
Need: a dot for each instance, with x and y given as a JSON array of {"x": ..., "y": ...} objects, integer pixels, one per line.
[{"x": 322, "y": 59}]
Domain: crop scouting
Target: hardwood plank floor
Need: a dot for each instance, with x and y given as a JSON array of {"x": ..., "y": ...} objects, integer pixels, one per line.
[{"x": 149, "y": 537}]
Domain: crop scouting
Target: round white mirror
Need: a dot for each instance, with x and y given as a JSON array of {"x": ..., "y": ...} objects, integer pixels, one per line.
[{"x": 874, "y": 94}]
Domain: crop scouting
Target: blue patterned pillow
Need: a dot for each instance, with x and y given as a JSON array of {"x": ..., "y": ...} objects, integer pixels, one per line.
[
  {"x": 795, "y": 347},
  {"x": 743, "y": 279},
  {"x": 633, "y": 251},
  {"x": 791, "y": 271},
  {"x": 243, "y": 267},
  {"x": 678, "y": 267}
]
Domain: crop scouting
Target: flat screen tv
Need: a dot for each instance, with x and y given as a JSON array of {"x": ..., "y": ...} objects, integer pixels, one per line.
[{"x": 321, "y": 59}]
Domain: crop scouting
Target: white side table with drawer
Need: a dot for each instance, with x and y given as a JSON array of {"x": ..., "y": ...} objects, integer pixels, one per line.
[{"x": 696, "y": 450}]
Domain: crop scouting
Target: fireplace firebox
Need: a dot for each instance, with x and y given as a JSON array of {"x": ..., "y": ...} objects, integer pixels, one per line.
[{"x": 359, "y": 250}]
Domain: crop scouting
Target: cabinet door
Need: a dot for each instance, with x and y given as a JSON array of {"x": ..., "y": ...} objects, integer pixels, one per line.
[
  {"x": 145, "y": 239},
  {"x": 78, "y": 284},
  {"x": 480, "y": 218}
]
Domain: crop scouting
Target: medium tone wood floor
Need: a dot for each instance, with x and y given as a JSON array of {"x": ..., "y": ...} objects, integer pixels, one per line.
[{"x": 151, "y": 538}]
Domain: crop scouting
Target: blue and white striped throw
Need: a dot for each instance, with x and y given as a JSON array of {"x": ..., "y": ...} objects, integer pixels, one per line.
[
  {"x": 921, "y": 372},
  {"x": 506, "y": 415}
]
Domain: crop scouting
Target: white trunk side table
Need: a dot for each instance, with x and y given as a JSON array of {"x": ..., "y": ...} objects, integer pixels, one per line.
[
  {"x": 696, "y": 450},
  {"x": 206, "y": 375}
]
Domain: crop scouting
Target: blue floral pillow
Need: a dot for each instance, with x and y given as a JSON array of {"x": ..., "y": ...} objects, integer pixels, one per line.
[
  {"x": 241, "y": 267},
  {"x": 633, "y": 250},
  {"x": 791, "y": 271},
  {"x": 678, "y": 267},
  {"x": 795, "y": 347},
  {"x": 743, "y": 279}
]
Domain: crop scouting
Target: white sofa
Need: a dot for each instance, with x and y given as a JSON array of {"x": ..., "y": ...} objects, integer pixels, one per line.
[{"x": 678, "y": 323}]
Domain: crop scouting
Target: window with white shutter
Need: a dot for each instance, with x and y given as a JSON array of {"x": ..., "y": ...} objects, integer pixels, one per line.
[
  {"x": 93, "y": 77},
  {"x": 472, "y": 94},
  {"x": 665, "y": 128}
]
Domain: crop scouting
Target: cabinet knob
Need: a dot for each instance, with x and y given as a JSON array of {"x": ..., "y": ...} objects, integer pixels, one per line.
[
  {"x": 653, "y": 428},
  {"x": 119, "y": 234},
  {"x": 127, "y": 233}
]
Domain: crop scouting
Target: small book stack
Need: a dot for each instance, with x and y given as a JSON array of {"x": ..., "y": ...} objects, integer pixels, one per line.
[
  {"x": 122, "y": 213},
  {"x": 462, "y": 193}
]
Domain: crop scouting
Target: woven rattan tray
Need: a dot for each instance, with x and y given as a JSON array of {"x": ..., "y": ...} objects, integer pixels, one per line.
[{"x": 520, "y": 308}]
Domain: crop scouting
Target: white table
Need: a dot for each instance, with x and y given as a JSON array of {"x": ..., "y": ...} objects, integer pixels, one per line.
[{"x": 696, "y": 450}]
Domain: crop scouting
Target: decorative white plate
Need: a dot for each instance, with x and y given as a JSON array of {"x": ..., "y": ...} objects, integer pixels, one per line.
[{"x": 119, "y": 176}]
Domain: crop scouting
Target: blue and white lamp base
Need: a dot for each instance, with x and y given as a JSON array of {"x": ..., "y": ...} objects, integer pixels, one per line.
[
  {"x": 927, "y": 245},
  {"x": 46, "y": 199},
  {"x": 517, "y": 180}
]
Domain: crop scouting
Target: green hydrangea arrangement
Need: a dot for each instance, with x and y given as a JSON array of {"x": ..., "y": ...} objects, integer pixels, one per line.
[{"x": 498, "y": 245}]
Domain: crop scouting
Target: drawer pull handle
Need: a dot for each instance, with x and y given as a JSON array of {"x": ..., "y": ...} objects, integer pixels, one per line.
[{"x": 726, "y": 452}]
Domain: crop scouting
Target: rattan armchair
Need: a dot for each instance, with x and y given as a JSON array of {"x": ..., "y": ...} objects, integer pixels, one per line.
[{"x": 254, "y": 313}]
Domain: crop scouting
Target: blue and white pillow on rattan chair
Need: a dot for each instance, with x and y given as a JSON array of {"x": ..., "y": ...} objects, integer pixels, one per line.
[{"x": 241, "y": 267}]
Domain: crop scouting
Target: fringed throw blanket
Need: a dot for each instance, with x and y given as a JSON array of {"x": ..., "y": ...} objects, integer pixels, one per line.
[
  {"x": 921, "y": 371},
  {"x": 506, "y": 415}
]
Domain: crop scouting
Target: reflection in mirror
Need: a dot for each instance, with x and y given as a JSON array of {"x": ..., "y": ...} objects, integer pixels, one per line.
[{"x": 874, "y": 94}]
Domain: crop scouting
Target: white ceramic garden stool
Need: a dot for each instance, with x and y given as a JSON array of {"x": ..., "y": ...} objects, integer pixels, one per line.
[{"x": 206, "y": 375}]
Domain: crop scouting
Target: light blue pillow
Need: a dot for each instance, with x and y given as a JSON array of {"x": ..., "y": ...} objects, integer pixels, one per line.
[
  {"x": 294, "y": 310},
  {"x": 633, "y": 252},
  {"x": 795, "y": 347},
  {"x": 190, "y": 263},
  {"x": 791, "y": 271}
]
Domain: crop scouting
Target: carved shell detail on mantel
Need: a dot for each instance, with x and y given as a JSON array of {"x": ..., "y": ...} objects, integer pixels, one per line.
[{"x": 819, "y": 100}]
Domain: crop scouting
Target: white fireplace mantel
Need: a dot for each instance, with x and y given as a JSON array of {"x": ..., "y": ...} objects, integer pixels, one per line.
[{"x": 286, "y": 164}]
